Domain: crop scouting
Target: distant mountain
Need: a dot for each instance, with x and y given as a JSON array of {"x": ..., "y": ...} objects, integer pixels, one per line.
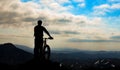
[
  {"x": 83, "y": 55},
  {"x": 9, "y": 54},
  {"x": 25, "y": 48},
  {"x": 88, "y": 60}
]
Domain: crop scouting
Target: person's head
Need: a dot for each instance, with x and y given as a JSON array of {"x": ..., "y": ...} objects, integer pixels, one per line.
[{"x": 39, "y": 22}]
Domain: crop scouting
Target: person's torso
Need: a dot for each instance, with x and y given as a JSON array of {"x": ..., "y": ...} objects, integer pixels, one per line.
[{"x": 38, "y": 31}]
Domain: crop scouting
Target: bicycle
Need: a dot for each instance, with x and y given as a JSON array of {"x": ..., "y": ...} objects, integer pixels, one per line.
[{"x": 46, "y": 49}]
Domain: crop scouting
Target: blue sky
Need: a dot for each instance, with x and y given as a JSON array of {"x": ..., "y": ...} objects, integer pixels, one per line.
[
  {"x": 87, "y": 6},
  {"x": 72, "y": 22}
]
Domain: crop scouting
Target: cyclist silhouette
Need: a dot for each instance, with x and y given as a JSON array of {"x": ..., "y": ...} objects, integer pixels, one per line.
[{"x": 38, "y": 43}]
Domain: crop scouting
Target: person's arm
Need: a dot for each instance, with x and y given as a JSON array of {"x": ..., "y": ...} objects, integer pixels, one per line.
[
  {"x": 45, "y": 30},
  {"x": 34, "y": 30}
]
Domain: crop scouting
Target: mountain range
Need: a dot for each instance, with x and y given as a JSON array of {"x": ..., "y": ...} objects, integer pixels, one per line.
[{"x": 15, "y": 57}]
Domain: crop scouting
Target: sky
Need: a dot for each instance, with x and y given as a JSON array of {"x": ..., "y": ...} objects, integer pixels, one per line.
[{"x": 79, "y": 24}]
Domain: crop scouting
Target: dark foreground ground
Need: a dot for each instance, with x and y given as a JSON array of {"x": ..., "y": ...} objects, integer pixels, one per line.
[
  {"x": 34, "y": 65},
  {"x": 48, "y": 65}
]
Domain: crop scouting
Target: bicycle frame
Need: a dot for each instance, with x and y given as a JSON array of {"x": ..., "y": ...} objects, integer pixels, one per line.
[
  {"x": 45, "y": 41},
  {"x": 46, "y": 49}
]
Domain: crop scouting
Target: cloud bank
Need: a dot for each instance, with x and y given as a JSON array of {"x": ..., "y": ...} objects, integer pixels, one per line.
[{"x": 19, "y": 18}]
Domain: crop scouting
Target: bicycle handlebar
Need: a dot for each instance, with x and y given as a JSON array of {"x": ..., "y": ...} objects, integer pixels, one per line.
[{"x": 48, "y": 38}]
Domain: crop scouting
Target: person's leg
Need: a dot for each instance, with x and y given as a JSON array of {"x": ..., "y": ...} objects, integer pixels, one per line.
[
  {"x": 41, "y": 49},
  {"x": 36, "y": 48}
]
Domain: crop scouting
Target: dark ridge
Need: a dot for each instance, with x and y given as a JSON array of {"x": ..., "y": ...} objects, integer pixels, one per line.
[
  {"x": 9, "y": 54},
  {"x": 13, "y": 58}
]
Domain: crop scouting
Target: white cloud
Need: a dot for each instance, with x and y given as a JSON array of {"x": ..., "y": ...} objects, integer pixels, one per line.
[
  {"x": 79, "y": 0},
  {"x": 104, "y": 8},
  {"x": 115, "y": 6},
  {"x": 81, "y": 5},
  {"x": 63, "y": 1},
  {"x": 54, "y": 5},
  {"x": 113, "y": 1},
  {"x": 107, "y": 6}
]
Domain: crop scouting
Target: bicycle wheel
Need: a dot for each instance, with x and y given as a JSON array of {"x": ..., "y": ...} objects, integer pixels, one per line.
[{"x": 47, "y": 52}]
